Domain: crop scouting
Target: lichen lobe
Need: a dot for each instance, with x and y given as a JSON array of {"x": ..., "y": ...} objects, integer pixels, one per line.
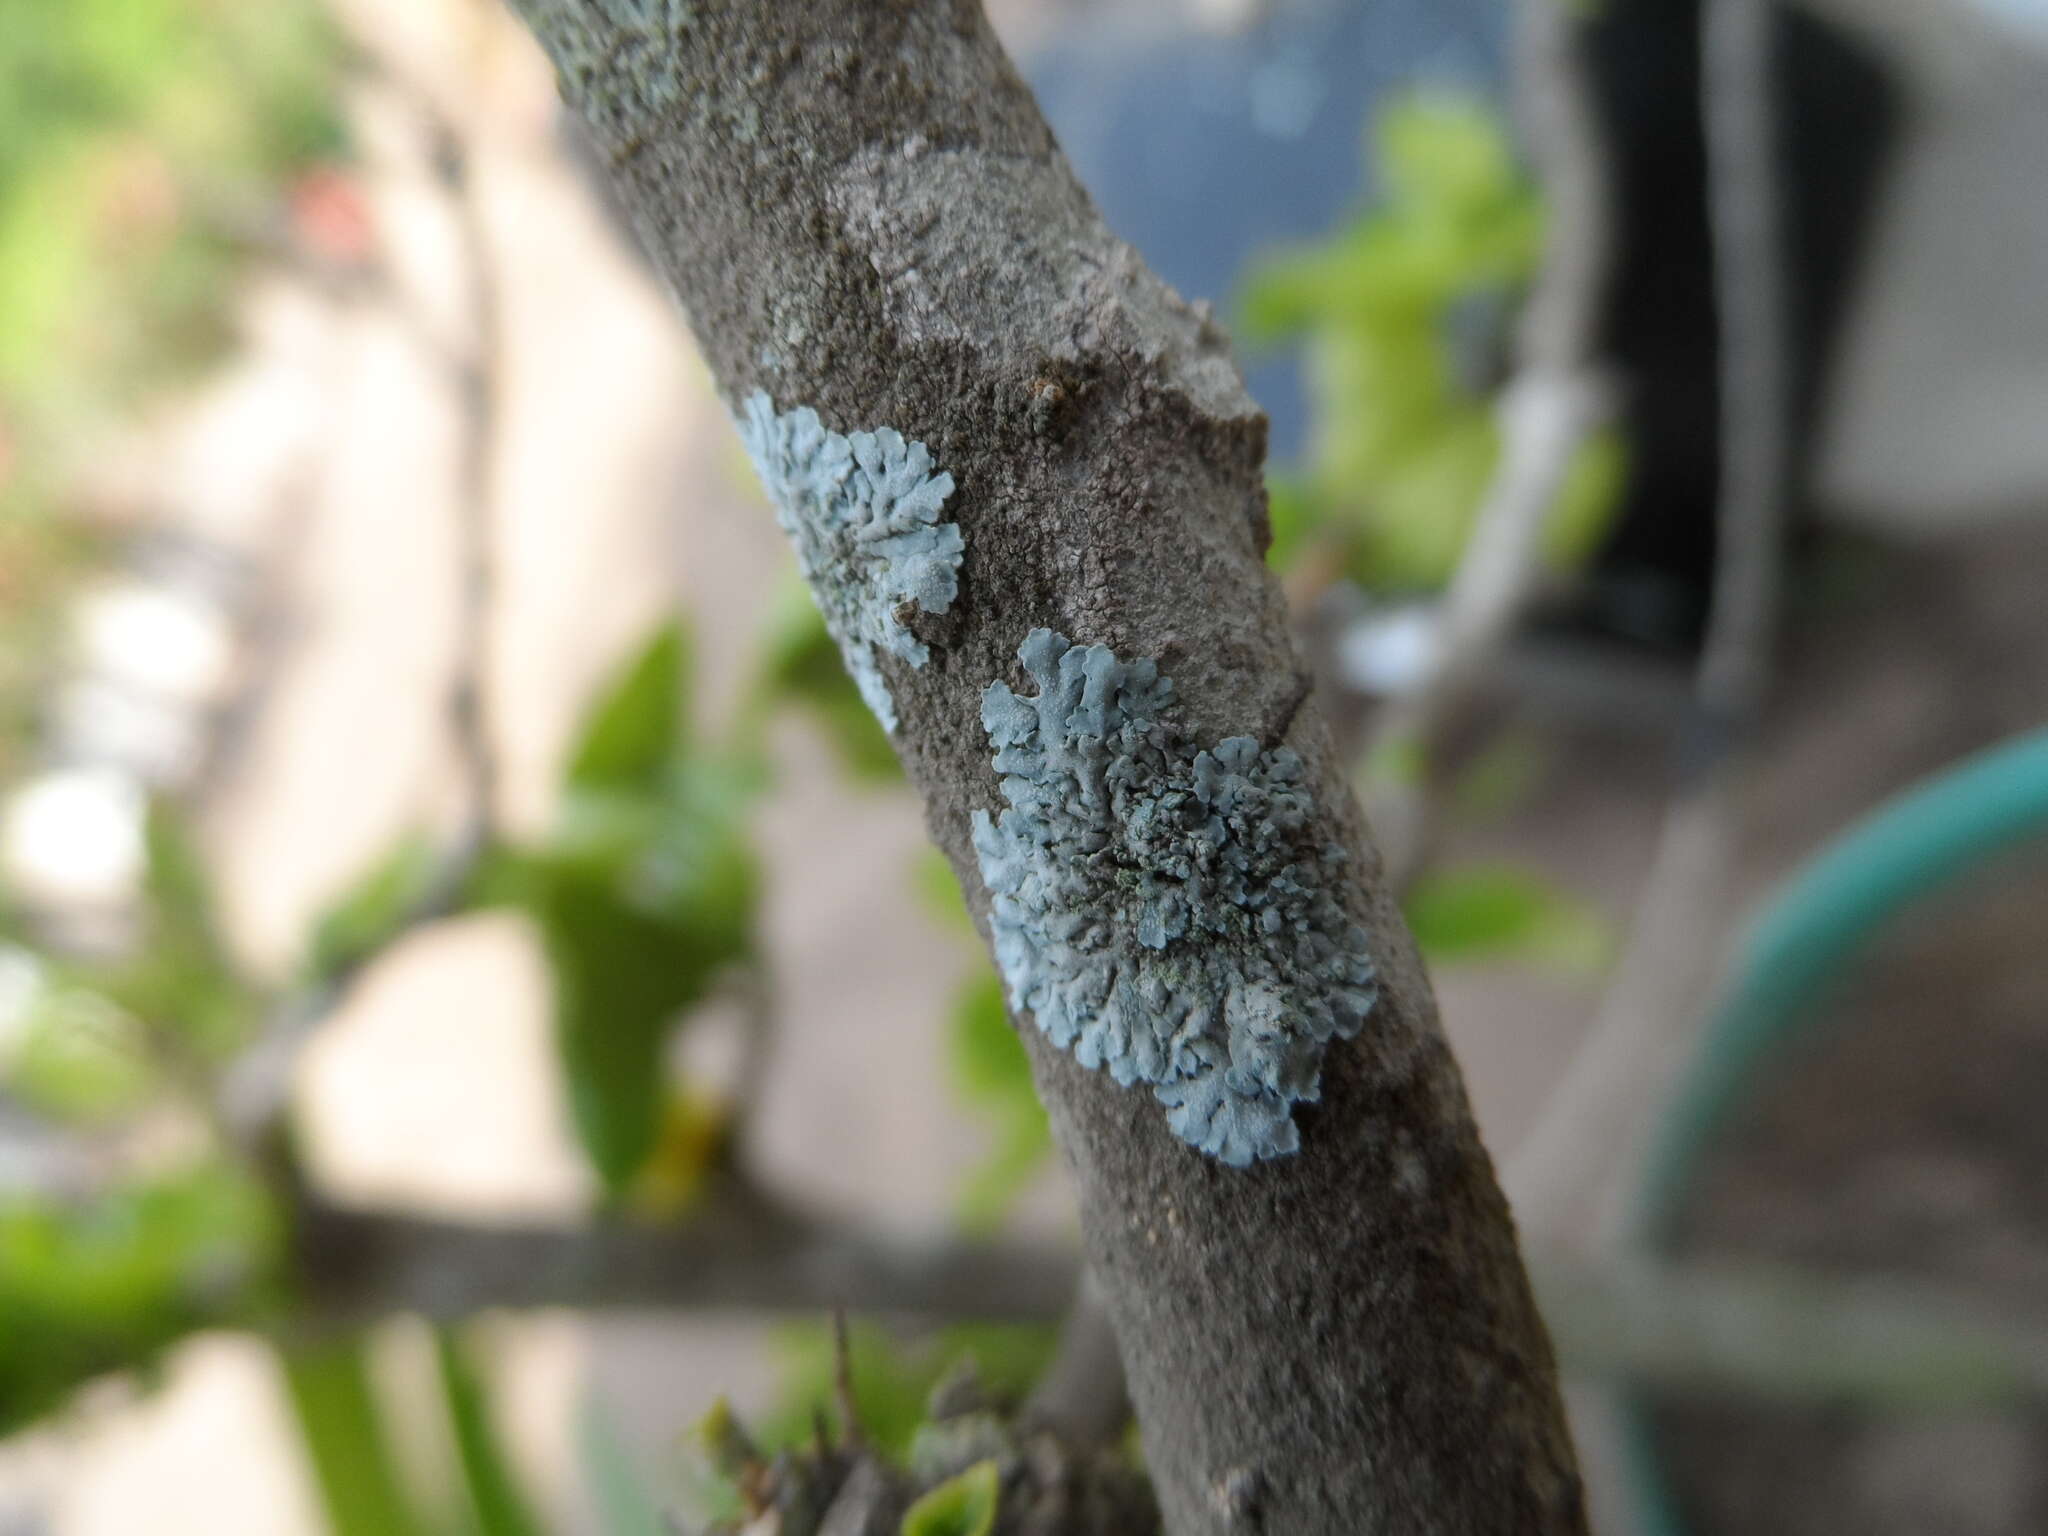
[
  {"x": 862, "y": 510},
  {"x": 1162, "y": 910}
]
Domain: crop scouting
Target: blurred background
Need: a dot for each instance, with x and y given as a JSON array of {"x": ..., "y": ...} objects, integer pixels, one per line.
[{"x": 473, "y": 988}]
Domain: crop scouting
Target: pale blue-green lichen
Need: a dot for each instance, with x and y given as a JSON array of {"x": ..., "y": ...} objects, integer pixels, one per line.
[
  {"x": 1162, "y": 910},
  {"x": 862, "y": 509}
]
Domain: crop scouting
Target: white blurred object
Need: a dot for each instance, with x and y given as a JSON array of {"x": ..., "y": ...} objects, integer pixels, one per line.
[
  {"x": 157, "y": 639},
  {"x": 74, "y": 837},
  {"x": 1392, "y": 650},
  {"x": 1939, "y": 381},
  {"x": 1225, "y": 17},
  {"x": 1939, "y": 389},
  {"x": 21, "y": 979},
  {"x": 97, "y": 721}
]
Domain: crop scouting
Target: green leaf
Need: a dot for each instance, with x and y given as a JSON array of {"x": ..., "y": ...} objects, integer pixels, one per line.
[
  {"x": 1402, "y": 446},
  {"x": 989, "y": 1061},
  {"x": 494, "y": 1495},
  {"x": 175, "y": 878},
  {"x": 1501, "y": 777},
  {"x": 634, "y": 729},
  {"x": 79, "y": 1056},
  {"x": 1401, "y": 761},
  {"x": 1425, "y": 505},
  {"x": 963, "y": 1506},
  {"x": 1294, "y": 515},
  {"x": 622, "y": 975},
  {"x": 994, "y": 1073},
  {"x": 801, "y": 665},
  {"x": 1586, "y": 502},
  {"x": 181, "y": 979},
  {"x": 991, "y": 1070},
  {"x": 644, "y": 891},
  {"x": 104, "y": 1284},
  {"x": 369, "y": 914},
  {"x": 1479, "y": 912},
  {"x": 641, "y": 902},
  {"x": 343, "y": 1429},
  {"x": 893, "y": 1377},
  {"x": 939, "y": 891},
  {"x": 1442, "y": 148}
]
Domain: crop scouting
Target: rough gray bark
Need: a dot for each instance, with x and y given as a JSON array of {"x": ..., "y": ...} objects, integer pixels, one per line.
[{"x": 862, "y": 211}]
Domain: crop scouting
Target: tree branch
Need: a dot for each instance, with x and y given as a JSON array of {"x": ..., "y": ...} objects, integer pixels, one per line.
[
  {"x": 253, "y": 1091},
  {"x": 1082, "y": 1394},
  {"x": 475, "y": 381},
  {"x": 1599, "y": 1118},
  {"x": 862, "y": 211},
  {"x": 1768, "y": 1331},
  {"x": 1545, "y": 413},
  {"x": 738, "y": 1251},
  {"x": 1763, "y": 1330}
]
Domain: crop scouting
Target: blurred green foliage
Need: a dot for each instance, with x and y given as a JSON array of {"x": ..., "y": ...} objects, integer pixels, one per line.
[
  {"x": 989, "y": 1067},
  {"x": 134, "y": 134},
  {"x": 1482, "y": 912},
  {"x": 347, "y": 1434},
  {"x": 100, "y": 1039},
  {"x": 644, "y": 892},
  {"x": 125, "y": 127},
  {"x": 368, "y": 915},
  {"x": 893, "y": 1376},
  {"x": 994, "y": 1076},
  {"x": 801, "y": 666},
  {"x": 104, "y": 1283},
  {"x": 962, "y": 1506},
  {"x": 1391, "y": 311},
  {"x": 497, "y": 1504}
]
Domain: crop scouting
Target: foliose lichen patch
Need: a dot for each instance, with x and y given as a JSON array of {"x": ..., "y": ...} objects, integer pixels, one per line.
[
  {"x": 862, "y": 509},
  {"x": 1163, "y": 910}
]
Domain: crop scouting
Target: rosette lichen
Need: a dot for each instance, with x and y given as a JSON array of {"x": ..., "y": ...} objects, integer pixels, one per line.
[
  {"x": 862, "y": 509},
  {"x": 1162, "y": 910}
]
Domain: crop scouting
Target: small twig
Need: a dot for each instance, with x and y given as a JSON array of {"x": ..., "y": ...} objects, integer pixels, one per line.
[
  {"x": 1750, "y": 295},
  {"x": 1082, "y": 1395},
  {"x": 254, "y": 1091},
  {"x": 851, "y": 1433},
  {"x": 1556, "y": 400},
  {"x": 476, "y": 384},
  {"x": 1557, "y": 1179},
  {"x": 1622, "y": 1075},
  {"x": 255, "y": 1088}
]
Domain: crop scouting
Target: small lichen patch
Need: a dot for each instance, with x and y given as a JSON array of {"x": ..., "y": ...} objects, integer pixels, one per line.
[
  {"x": 614, "y": 57},
  {"x": 862, "y": 509},
  {"x": 1166, "y": 911}
]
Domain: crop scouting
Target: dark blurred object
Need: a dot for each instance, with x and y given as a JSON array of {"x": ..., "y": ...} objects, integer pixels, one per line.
[
  {"x": 1838, "y": 115},
  {"x": 1873, "y": 1146}
]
